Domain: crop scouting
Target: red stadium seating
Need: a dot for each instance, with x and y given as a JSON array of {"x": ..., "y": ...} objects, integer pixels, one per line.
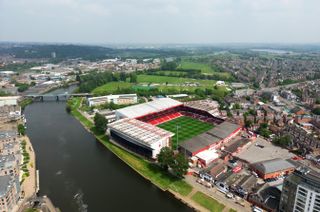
[{"x": 172, "y": 113}]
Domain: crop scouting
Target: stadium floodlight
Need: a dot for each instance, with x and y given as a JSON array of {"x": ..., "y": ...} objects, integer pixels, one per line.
[{"x": 177, "y": 126}]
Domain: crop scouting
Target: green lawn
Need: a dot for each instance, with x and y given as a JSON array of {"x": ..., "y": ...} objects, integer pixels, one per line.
[
  {"x": 111, "y": 87},
  {"x": 147, "y": 169},
  {"x": 187, "y": 128},
  {"x": 173, "y": 80},
  {"x": 176, "y": 83},
  {"x": 207, "y": 202},
  {"x": 205, "y": 68}
]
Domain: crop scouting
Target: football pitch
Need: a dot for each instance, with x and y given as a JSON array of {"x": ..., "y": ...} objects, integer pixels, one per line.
[{"x": 185, "y": 127}]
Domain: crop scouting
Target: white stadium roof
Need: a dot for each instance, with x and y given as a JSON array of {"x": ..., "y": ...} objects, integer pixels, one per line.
[
  {"x": 140, "y": 131},
  {"x": 157, "y": 105}
]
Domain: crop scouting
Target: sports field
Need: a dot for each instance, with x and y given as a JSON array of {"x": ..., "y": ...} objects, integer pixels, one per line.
[{"x": 187, "y": 128}]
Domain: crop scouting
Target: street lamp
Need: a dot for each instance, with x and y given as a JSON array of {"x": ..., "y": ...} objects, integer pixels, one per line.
[{"x": 177, "y": 126}]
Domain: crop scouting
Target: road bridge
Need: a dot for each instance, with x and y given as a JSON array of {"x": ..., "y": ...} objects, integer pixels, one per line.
[{"x": 57, "y": 97}]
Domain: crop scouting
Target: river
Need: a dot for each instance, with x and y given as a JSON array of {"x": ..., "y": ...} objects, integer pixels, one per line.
[{"x": 80, "y": 174}]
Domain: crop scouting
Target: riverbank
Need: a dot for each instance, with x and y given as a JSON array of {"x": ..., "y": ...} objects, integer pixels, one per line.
[{"x": 180, "y": 189}]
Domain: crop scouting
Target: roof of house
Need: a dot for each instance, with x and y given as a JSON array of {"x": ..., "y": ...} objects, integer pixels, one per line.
[
  {"x": 273, "y": 165},
  {"x": 155, "y": 106}
]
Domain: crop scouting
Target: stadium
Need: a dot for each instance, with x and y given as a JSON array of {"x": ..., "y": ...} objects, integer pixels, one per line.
[{"x": 148, "y": 127}]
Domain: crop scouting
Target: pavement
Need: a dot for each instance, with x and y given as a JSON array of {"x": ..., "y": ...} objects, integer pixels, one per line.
[
  {"x": 29, "y": 185},
  {"x": 217, "y": 195}
]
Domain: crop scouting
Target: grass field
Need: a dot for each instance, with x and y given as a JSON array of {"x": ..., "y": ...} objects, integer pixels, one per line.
[
  {"x": 187, "y": 128},
  {"x": 111, "y": 87},
  {"x": 205, "y": 68},
  {"x": 172, "y": 80},
  {"x": 207, "y": 202}
]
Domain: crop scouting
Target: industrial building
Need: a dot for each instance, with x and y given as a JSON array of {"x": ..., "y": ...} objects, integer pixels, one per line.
[
  {"x": 272, "y": 168},
  {"x": 212, "y": 139},
  {"x": 143, "y": 138},
  {"x": 301, "y": 192},
  {"x": 120, "y": 99}
]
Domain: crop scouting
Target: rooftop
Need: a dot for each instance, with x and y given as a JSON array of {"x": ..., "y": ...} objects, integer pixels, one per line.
[
  {"x": 273, "y": 165},
  {"x": 155, "y": 106},
  {"x": 4, "y": 184},
  {"x": 268, "y": 152},
  {"x": 223, "y": 130},
  {"x": 210, "y": 137},
  {"x": 145, "y": 133}
]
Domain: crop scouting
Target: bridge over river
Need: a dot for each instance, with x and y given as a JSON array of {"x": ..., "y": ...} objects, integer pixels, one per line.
[{"x": 57, "y": 97}]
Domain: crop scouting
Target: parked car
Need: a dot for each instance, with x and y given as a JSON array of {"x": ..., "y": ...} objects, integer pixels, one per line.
[
  {"x": 256, "y": 209},
  {"x": 229, "y": 195}
]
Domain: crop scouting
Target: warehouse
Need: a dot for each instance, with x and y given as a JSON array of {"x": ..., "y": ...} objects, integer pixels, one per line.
[
  {"x": 140, "y": 137},
  {"x": 272, "y": 168},
  {"x": 212, "y": 139}
]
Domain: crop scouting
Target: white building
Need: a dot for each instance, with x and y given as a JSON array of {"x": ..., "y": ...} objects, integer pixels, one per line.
[
  {"x": 143, "y": 138},
  {"x": 147, "y": 108},
  {"x": 121, "y": 99},
  {"x": 9, "y": 100}
]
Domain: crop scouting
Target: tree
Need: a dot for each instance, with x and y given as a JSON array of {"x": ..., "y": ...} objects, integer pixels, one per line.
[
  {"x": 68, "y": 108},
  {"x": 21, "y": 129},
  {"x": 282, "y": 141},
  {"x": 263, "y": 130},
  {"x": 123, "y": 76},
  {"x": 133, "y": 78},
  {"x": 100, "y": 123},
  {"x": 78, "y": 79},
  {"x": 180, "y": 165},
  {"x": 248, "y": 123},
  {"x": 165, "y": 158},
  {"x": 316, "y": 111}
]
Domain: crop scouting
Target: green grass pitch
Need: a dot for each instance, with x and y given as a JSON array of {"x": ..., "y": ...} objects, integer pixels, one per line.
[{"x": 187, "y": 128}]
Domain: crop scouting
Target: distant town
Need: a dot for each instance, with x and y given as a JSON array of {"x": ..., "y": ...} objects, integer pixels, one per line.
[{"x": 236, "y": 129}]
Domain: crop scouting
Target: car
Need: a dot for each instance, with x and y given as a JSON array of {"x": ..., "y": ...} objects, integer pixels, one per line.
[
  {"x": 256, "y": 209},
  {"x": 259, "y": 145},
  {"x": 229, "y": 195}
]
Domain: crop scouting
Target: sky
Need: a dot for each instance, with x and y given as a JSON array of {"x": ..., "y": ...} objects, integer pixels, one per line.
[{"x": 160, "y": 21}]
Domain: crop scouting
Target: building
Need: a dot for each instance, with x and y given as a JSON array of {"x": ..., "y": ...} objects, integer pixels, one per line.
[
  {"x": 9, "y": 165},
  {"x": 143, "y": 138},
  {"x": 301, "y": 192},
  {"x": 148, "y": 108},
  {"x": 9, "y": 100},
  {"x": 272, "y": 168},
  {"x": 212, "y": 139},
  {"x": 9, "y": 192},
  {"x": 121, "y": 99}
]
